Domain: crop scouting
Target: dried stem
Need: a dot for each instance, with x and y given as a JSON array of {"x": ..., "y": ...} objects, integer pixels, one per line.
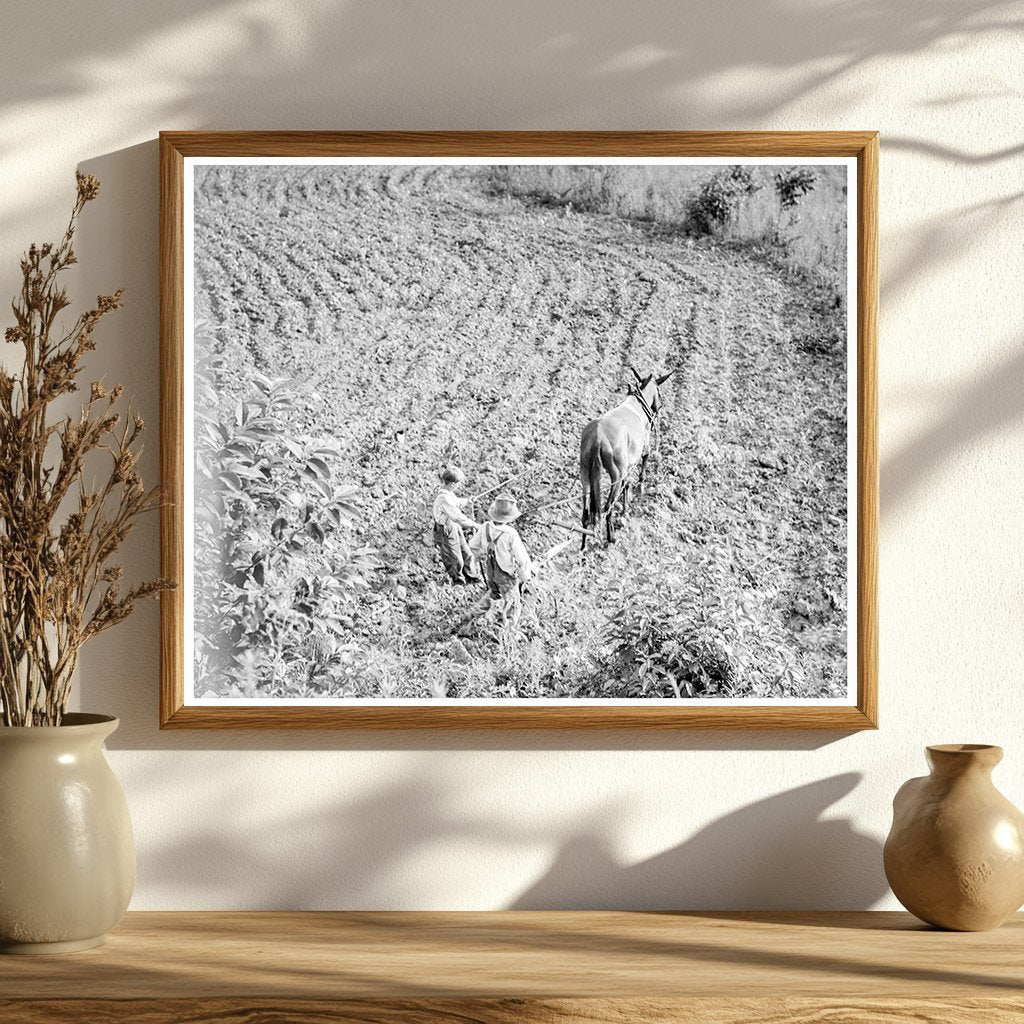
[{"x": 57, "y": 586}]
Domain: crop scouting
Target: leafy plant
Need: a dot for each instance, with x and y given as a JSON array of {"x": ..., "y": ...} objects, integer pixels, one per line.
[
  {"x": 58, "y": 588},
  {"x": 792, "y": 184},
  {"x": 657, "y": 652},
  {"x": 720, "y": 198},
  {"x": 691, "y": 637},
  {"x": 278, "y": 571}
]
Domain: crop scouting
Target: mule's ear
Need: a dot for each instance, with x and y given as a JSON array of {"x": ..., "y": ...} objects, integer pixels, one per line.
[
  {"x": 665, "y": 377},
  {"x": 639, "y": 379}
]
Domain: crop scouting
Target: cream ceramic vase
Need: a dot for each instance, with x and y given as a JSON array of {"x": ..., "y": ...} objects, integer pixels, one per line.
[
  {"x": 955, "y": 855},
  {"x": 67, "y": 856}
]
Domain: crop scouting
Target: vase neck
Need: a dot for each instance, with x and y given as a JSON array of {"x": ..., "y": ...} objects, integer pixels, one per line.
[
  {"x": 952, "y": 760},
  {"x": 76, "y": 729}
]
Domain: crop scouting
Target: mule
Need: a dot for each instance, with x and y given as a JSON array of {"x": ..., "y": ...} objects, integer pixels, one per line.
[{"x": 618, "y": 442}]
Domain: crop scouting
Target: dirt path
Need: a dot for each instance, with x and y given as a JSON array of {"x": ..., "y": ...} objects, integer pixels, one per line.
[{"x": 429, "y": 320}]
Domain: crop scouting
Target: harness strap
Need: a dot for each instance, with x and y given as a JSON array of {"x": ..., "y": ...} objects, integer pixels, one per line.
[{"x": 647, "y": 410}]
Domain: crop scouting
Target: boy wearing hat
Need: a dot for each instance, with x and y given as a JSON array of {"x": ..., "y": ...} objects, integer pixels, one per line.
[
  {"x": 449, "y": 523},
  {"x": 506, "y": 563}
]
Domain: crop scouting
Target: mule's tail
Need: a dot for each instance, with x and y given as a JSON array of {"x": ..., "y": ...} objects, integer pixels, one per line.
[{"x": 590, "y": 476}]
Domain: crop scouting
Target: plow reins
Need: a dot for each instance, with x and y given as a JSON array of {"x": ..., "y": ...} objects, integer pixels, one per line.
[{"x": 652, "y": 417}]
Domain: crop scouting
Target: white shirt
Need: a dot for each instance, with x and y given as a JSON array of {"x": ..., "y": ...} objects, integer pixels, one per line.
[
  {"x": 448, "y": 509},
  {"x": 509, "y": 550}
]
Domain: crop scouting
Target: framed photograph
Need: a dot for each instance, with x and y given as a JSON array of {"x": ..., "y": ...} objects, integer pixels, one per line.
[{"x": 505, "y": 429}]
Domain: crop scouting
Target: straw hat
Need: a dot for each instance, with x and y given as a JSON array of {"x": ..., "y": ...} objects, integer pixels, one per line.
[{"x": 504, "y": 509}]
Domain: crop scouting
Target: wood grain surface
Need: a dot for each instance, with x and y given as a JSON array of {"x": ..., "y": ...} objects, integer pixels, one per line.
[
  {"x": 526, "y": 954},
  {"x": 172, "y": 442},
  {"x": 176, "y": 146},
  {"x": 516, "y": 1011},
  {"x": 725, "y": 143}
]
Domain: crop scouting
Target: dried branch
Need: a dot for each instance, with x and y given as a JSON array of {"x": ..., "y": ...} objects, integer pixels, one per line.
[{"x": 57, "y": 588}]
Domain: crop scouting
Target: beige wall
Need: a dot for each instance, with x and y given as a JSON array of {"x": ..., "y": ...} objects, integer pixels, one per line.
[{"x": 449, "y": 821}]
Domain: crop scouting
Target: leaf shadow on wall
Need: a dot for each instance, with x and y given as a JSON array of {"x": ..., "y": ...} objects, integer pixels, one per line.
[
  {"x": 992, "y": 403},
  {"x": 940, "y": 242},
  {"x": 330, "y": 65},
  {"x": 777, "y": 853},
  {"x": 403, "y": 845}
]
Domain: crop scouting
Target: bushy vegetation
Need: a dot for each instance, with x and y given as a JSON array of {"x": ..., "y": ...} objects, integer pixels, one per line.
[
  {"x": 720, "y": 199},
  {"x": 792, "y": 184},
  {"x": 278, "y": 575}
]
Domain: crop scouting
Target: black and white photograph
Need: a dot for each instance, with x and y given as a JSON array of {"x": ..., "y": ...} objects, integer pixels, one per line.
[{"x": 520, "y": 430}]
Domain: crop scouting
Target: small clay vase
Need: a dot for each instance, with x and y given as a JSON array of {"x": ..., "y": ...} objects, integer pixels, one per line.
[{"x": 955, "y": 854}]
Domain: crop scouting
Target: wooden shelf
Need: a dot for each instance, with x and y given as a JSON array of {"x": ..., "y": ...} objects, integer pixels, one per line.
[{"x": 424, "y": 968}]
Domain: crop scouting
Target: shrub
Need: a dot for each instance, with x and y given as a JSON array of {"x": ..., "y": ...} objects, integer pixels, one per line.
[
  {"x": 695, "y": 637},
  {"x": 792, "y": 184},
  {"x": 277, "y": 569},
  {"x": 720, "y": 199}
]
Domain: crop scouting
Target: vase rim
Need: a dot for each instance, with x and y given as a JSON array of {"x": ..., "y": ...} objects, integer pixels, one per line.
[
  {"x": 71, "y": 722},
  {"x": 962, "y": 748}
]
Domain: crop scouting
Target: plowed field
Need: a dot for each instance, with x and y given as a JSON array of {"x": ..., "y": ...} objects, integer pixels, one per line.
[{"x": 429, "y": 318}]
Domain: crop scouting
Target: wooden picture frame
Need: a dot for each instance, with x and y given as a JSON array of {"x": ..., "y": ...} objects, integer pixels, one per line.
[{"x": 176, "y": 711}]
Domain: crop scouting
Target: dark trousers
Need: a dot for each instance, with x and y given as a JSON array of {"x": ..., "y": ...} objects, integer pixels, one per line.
[
  {"x": 507, "y": 599},
  {"x": 451, "y": 542}
]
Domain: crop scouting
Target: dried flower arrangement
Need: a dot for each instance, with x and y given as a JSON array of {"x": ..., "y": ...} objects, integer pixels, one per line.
[{"x": 58, "y": 533}]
